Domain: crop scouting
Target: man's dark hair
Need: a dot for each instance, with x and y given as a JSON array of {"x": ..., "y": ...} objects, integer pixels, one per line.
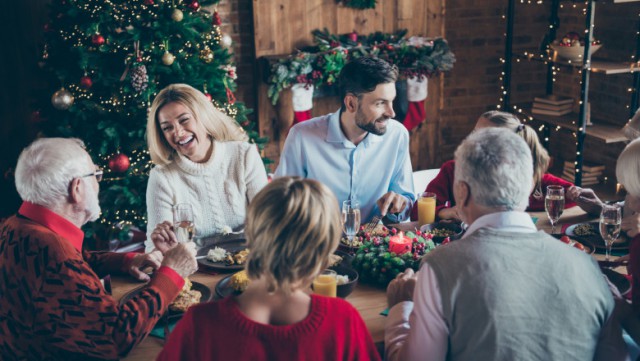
[{"x": 362, "y": 75}]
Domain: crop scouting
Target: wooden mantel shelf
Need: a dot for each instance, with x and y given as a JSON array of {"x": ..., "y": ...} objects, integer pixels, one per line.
[{"x": 605, "y": 132}]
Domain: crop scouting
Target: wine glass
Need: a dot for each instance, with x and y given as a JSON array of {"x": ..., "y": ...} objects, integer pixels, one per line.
[
  {"x": 554, "y": 205},
  {"x": 350, "y": 219},
  {"x": 610, "y": 225},
  {"x": 183, "y": 224}
]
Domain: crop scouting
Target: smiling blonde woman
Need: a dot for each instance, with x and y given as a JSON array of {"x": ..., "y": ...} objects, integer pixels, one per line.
[{"x": 202, "y": 157}]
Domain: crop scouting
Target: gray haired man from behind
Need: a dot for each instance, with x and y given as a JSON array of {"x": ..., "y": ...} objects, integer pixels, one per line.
[{"x": 505, "y": 291}]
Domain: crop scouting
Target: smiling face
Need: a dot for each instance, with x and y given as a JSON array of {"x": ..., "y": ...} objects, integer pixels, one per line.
[
  {"x": 376, "y": 108},
  {"x": 183, "y": 132}
]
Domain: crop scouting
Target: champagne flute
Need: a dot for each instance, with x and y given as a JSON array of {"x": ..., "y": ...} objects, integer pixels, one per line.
[
  {"x": 554, "y": 205},
  {"x": 610, "y": 225},
  {"x": 183, "y": 224},
  {"x": 350, "y": 219}
]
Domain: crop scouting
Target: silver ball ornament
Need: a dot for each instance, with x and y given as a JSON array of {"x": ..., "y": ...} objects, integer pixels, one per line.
[
  {"x": 168, "y": 58},
  {"x": 177, "y": 15},
  {"x": 62, "y": 99}
]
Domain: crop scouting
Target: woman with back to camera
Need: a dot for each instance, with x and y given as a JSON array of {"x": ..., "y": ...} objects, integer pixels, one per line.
[
  {"x": 201, "y": 157},
  {"x": 293, "y": 226}
]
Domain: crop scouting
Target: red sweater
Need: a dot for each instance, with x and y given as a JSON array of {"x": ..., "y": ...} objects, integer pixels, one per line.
[
  {"x": 333, "y": 330},
  {"x": 442, "y": 186},
  {"x": 52, "y": 304}
]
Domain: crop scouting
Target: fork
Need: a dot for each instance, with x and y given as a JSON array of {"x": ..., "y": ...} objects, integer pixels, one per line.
[{"x": 371, "y": 226}]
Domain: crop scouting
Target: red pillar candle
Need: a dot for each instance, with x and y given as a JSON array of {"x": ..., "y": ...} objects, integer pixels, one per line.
[{"x": 399, "y": 244}]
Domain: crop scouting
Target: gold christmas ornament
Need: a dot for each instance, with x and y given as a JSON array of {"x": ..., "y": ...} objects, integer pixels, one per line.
[
  {"x": 62, "y": 99},
  {"x": 226, "y": 40},
  {"x": 206, "y": 55},
  {"x": 168, "y": 58},
  {"x": 177, "y": 15}
]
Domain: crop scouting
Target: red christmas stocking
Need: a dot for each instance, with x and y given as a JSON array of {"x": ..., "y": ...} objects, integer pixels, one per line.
[
  {"x": 416, "y": 94},
  {"x": 302, "y": 97}
]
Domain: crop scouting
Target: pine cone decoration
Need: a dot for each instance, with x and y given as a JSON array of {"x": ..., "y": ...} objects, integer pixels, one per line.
[{"x": 139, "y": 77}]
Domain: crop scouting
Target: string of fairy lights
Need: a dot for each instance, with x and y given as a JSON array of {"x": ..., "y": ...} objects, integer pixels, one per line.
[{"x": 555, "y": 69}]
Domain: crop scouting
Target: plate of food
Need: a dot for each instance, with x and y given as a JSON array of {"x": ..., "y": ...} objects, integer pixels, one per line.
[
  {"x": 226, "y": 256},
  {"x": 583, "y": 246},
  {"x": 380, "y": 230},
  {"x": 192, "y": 293},
  {"x": 442, "y": 230},
  {"x": 589, "y": 232}
]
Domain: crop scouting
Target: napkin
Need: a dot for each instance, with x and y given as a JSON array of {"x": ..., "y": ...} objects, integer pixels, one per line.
[
  {"x": 385, "y": 312},
  {"x": 158, "y": 329}
]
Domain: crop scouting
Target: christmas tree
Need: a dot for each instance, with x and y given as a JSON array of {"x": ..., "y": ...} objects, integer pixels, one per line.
[{"x": 105, "y": 61}]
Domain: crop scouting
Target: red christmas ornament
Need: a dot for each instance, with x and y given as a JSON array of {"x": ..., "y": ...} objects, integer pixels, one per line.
[
  {"x": 208, "y": 96},
  {"x": 148, "y": 2},
  {"x": 119, "y": 163},
  {"x": 194, "y": 6},
  {"x": 86, "y": 82},
  {"x": 216, "y": 19},
  {"x": 230, "y": 97},
  {"x": 97, "y": 39},
  {"x": 353, "y": 37}
]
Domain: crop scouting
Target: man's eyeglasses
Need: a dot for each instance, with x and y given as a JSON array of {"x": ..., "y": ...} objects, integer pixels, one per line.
[{"x": 98, "y": 174}]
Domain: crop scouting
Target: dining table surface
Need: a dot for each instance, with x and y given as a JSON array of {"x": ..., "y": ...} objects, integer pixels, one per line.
[{"x": 369, "y": 300}]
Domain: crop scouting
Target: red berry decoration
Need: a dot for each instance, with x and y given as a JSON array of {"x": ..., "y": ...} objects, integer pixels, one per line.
[
  {"x": 216, "y": 19},
  {"x": 148, "y": 2},
  {"x": 565, "y": 239},
  {"x": 353, "y": 37},
  {"x": 446, "y": 240},
  {"x": 86, "y": 82},
  {"x": 209, "y": 96},
  {"x": 97, "y": 39},
  {"x": 194, "y": 5},
  {"x": 119, "y": 163}
]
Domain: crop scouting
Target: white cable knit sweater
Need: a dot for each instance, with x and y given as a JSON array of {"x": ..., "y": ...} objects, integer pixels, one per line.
[{"x": 219, "y": 190}]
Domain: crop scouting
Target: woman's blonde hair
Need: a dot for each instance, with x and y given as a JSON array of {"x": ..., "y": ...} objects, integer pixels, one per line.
[
  {"x": 628, "y": 168},
  {"x": 538, "y": 153},
  {"x": 217, "y": 124},
  {"x": 503, "y": 120},
  {"x": 292, "y": 227}
]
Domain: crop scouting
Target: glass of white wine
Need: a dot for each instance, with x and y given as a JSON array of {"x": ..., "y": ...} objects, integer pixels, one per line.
[
  {"x": 183, "y": 224},
  {"x": 350, "y": 219},
  {"x": 554, "y": 205},
  {"x": 610, "y": 225}
]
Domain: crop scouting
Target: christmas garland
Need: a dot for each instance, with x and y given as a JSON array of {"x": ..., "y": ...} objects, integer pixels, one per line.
[
  {"x": 320, "y": 66},
  {"x": 358, "y": 4}
]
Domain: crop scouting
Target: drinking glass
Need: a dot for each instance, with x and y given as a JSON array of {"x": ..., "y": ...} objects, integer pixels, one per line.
[
  {"x": 610, "y": 224},
  {"x": 326, "y": 283},
  {"x": 554, "y": 205},
  {"x": 426, "y": 208},
  {"x": 350, "y": 219},
  {"x": 183, "y": 224}
]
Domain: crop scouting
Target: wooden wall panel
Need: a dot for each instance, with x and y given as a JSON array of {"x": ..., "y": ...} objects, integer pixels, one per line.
[{"x": 283, "y": 26}]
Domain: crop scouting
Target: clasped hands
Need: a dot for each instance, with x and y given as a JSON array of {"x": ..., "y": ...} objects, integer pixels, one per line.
[{"x": 401, "y": 288}]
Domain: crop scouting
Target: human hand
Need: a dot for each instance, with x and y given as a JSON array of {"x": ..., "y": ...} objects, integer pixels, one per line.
[
  {"x": 449, "y": 213},
  {"x": 401, "y": 288},
  {"x": 585, "y": 198},
  {"x": 391, "y": 202},
  {"x": 631, "y": 225},
  {"x": 163, "y": 237},
  {"x": 142, "y": 261},
  {"x": 182, "y": 259}
]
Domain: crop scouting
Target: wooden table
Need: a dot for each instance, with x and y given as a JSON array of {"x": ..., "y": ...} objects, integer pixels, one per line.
[{"x": 368, "y": 300}]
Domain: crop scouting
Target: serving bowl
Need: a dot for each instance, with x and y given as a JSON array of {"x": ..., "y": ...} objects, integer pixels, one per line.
[
  {"x": 454, "y": 228},
  {"x": 575, "y": 52},
  {"x": 345, "y": 290}
]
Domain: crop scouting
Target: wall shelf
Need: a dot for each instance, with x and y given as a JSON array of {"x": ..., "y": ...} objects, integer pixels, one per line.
[{"x": 597, "y": 66}]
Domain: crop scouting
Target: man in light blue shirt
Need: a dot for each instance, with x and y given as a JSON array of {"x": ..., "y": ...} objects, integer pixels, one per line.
[{"x": 359, "y": 152}]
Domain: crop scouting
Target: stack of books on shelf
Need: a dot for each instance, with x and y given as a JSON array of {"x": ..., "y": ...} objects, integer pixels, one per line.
[
  {"x": 591, "y": 173},
  {"x": 552, "y": 105}
]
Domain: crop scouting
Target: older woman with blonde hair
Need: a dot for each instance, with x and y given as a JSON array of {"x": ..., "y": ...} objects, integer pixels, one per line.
[
  {"x": 293, "y": 226},
  {"x": 201, "y": 157}
]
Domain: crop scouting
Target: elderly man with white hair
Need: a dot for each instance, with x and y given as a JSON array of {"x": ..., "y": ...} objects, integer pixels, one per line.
[
  {"x": 505, "y": 291},
  {"x": 52, "y": 304}
]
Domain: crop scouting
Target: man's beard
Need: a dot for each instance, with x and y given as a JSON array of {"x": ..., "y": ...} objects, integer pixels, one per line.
[
  {"x": 371, "y": 126},
  {"x": 93, "y": 204}
]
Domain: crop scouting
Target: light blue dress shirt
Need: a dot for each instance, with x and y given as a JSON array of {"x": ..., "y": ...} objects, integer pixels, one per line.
[{"x": 318, "y": 149}]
